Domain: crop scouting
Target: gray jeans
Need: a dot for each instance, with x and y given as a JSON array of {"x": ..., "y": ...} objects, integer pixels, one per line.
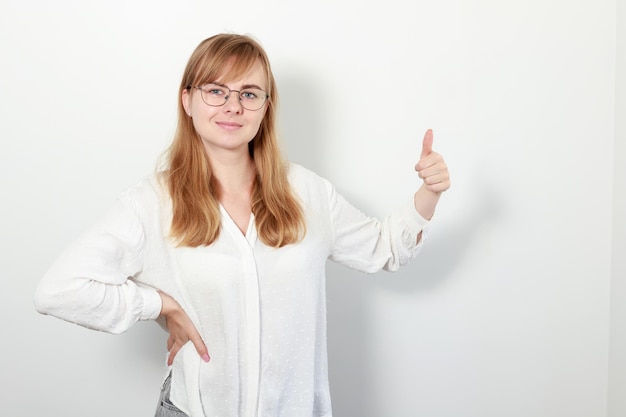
[{"x": 165, "y": 407}]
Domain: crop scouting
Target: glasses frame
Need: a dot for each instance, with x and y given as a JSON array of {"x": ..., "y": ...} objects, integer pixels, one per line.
[{"x": 227, "y": 96}]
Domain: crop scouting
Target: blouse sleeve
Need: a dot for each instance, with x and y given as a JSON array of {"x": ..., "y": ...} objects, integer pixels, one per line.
[
  {"x": 91, "y": 283},
  {"x": 369, "y": 245}
]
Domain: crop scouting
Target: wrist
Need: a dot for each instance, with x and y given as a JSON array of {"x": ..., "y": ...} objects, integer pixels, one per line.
[
  {"x": 168, "y": 304},
  {"x": 426, "y": 201}
]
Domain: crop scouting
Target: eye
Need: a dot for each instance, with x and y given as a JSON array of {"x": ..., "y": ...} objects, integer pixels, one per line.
[
  {"x": 214, "y": 90},
  {"x": 249, "y": 95}
]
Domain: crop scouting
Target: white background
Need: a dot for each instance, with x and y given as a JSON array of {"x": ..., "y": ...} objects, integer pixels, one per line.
[{"x": 516, "y": 306}]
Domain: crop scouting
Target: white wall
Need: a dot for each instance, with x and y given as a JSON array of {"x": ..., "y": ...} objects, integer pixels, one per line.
[
  {"x": 507, "y": 311},
  {"x": 617, "y": 361}
]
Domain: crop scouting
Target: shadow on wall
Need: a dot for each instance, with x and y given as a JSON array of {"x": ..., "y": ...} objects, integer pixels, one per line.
[
  {"x": 299, "y": 121},
  {"x": 445, "y": 249},
  {"x": 350, "y": 296}
]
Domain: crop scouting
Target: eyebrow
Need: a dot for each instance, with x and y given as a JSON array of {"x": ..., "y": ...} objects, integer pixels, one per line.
[{"x": 243, "y": 87}]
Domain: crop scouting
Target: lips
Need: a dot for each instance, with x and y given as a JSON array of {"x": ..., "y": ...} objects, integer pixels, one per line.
[{"x": 228, "y": 125}]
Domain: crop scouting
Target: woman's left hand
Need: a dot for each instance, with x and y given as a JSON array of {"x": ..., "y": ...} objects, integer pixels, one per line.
[
  {"x": 433, "y": 171},
  {"x": 431, "y": 167}
]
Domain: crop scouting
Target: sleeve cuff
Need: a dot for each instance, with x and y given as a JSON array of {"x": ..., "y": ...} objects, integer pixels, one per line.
[
  {"x": 413, "y": 219},
  {"x": 151, "y": 303}
]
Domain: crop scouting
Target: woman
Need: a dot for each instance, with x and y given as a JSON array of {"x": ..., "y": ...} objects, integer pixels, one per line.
[{"x": 227, "y": 246}]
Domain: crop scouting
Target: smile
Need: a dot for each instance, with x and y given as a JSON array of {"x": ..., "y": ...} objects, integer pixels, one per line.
[{"x": 228, "y": 125}]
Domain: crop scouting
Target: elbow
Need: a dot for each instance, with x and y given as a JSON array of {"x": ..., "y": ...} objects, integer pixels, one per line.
[
  {"x": 45, "y": 298},
  {"x": 53, "y": 296}
]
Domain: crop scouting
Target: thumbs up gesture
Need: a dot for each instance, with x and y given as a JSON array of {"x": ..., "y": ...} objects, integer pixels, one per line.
[{"x": 431, "y": 167}]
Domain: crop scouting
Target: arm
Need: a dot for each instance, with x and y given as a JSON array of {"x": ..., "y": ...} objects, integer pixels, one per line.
[
  {"x": 366, "y": 244},
  {"x": 91, "y": 283}
]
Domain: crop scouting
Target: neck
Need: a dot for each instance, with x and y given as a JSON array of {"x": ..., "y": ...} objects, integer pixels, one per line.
[{"x": 233, "y": 174}]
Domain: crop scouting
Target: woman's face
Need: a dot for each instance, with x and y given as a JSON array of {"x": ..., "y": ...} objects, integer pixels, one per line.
[{"x": 230, "y": 127}]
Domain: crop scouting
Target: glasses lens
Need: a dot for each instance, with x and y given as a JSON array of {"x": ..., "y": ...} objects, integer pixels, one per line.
[
  {"x": 214, "y": 95},
  {"x": 252, "y": 98}
]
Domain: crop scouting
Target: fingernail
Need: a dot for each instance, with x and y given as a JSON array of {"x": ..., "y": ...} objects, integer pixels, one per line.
[{"x": 206, "y": 358}]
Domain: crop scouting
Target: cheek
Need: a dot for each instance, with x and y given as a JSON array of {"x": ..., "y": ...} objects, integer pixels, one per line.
[
  {"x": 261, "y": 116},
  {"x": 257, "y": 124},
  {"x": 197, "y": 106},
  {"x": 203, "y": 112}
]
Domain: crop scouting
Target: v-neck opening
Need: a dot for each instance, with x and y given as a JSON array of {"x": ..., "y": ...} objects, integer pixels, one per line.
[{"x": 230, "y": 224}]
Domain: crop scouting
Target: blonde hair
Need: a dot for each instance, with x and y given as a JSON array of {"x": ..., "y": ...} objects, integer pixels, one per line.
[{"x": 196, "y": 216}]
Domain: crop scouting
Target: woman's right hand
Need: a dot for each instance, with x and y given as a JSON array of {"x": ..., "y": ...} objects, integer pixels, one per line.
[{"x": 180, "y": 328}]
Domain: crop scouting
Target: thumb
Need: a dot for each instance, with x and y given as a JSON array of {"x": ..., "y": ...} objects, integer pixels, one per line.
[{"x": 427, "y": 143}]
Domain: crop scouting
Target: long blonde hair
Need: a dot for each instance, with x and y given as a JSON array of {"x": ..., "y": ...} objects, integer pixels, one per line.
[{"x": 196, "y": 215}]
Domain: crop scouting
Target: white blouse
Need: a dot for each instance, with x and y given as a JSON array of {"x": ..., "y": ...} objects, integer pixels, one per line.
[{"x": 261, "y": 311}]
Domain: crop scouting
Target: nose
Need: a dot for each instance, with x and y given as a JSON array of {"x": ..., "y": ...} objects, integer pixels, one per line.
[{"x": 234, "y": 104}]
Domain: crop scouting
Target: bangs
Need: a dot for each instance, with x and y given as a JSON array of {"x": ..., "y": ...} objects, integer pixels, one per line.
[{"x": 224, "y": 63}]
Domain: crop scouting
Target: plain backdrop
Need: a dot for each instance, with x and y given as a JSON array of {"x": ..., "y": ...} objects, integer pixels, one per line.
[{"x": 515, "y": 307}]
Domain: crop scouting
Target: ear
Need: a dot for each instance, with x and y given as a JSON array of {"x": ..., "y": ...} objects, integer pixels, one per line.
[{"x": 185, "y": 98}]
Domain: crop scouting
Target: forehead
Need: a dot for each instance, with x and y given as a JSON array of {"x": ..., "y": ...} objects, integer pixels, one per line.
[{"x": 237, "y": 72}]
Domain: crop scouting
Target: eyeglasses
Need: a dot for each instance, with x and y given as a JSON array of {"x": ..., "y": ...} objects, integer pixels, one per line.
[{"x": 251, "y": 98}]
